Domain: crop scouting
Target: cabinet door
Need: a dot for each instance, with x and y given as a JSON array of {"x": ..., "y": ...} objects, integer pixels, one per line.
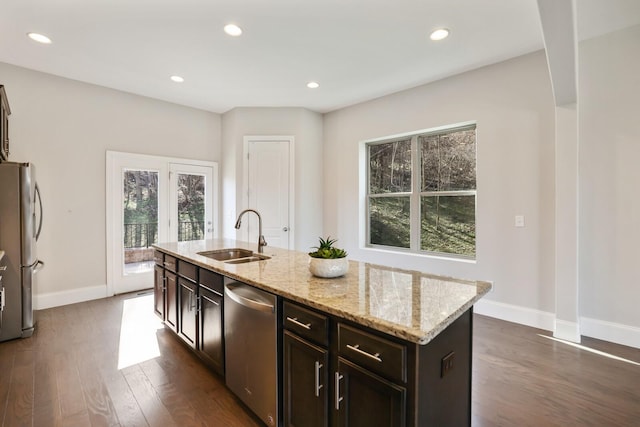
[
  {"x": 363, "y": 399},
  {"x": 159, "y": 292},
  {"x": 211, "y": 344},
  {"x": 306, "y": 391},
  {"x": 187, "y": 311},
  {"x": 171, "y": 294}
]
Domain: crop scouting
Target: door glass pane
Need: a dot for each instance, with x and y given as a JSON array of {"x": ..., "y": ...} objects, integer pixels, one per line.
[
  {"x": 191, "y": 211},
  {"x": 140, "y": 219}
]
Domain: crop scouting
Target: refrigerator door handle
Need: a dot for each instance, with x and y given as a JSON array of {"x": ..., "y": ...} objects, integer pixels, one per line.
[
  {"x": 41, "y": 211},
  {"x": 39, "y": 265}
]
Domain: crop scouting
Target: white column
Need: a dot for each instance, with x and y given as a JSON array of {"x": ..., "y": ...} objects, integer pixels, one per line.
[{"x": 567, "y": 325}]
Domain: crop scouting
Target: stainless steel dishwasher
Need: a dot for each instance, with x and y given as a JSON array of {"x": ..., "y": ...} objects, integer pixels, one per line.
[{"x": 250, "y": 333}]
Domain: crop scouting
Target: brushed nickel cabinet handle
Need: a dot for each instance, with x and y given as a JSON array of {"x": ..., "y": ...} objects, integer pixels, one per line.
[
  {"x": 295, "y": 321},
  {"x": 338, "y": 398},
  {"x": 318, "y": 385},
  {"x": 356, "y": 348}
]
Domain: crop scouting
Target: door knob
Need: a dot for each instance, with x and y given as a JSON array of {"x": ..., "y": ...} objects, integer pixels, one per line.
[{"x": 285, "y": 229}]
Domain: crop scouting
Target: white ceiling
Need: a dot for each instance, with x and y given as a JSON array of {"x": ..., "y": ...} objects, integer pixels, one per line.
[{"x": 356, "y": 49}]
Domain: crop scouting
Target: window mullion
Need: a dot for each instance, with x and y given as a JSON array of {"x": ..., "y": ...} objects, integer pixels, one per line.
[{"x": 416, "y": 173}]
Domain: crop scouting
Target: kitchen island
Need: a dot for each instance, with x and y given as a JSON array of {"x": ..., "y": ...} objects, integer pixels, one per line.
[{"x": 397, "y": 343}]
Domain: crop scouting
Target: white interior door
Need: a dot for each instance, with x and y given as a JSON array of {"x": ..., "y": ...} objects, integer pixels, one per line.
[
  {"x": 270, "y": 189},
  {"x": 190, "y": 202}
]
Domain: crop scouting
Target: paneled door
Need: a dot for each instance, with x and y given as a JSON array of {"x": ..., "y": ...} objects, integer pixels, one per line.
[{"x": 270, "y": 189}]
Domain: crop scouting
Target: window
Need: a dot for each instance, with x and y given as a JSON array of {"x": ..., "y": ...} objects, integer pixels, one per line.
[{"x": 421, "y": 192}]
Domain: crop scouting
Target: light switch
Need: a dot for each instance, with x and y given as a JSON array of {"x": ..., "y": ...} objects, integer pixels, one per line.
[{"x": 519, "y": 220}]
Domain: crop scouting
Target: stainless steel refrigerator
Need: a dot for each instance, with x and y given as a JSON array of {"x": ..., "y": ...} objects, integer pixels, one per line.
[{"x": 20, "y": 226}]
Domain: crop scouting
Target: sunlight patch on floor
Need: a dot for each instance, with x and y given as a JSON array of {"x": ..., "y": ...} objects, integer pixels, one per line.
[
  {"x": 138, "y": 328},
  {"x": 592, "y": 350}
]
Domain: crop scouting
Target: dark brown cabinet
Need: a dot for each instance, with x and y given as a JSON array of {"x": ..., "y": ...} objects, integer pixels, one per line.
[
  {"x": 159, "y": 291},
  {"x": 166, "y": 289},
  {"x": 171, "y": 295},
  {"x": 187, "y": 302},
  {"x": 210, "y": 321},
  {"x": 372, "y": 379},
  {"x": 364, "y": 399},
  {"x": 371, "y": 372},
  {"x": 187, "y": 310},
  {"x": 306, "y": 387},
  {"x": 5, "y": 111},
  {"x": 306, "y": 390},
  {"x": 159, "y": 286}
]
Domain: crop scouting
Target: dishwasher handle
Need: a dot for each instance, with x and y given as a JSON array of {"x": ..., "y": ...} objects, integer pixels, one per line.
[{"x": 248, "y": 302}]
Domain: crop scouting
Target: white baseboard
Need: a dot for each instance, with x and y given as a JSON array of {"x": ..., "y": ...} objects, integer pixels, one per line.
[
  {"x": 612, "y": 332},
  {"x": 568, "y": 331},
  {"x": 71, "y": 296},
  {"x": 515, "y": 313}
]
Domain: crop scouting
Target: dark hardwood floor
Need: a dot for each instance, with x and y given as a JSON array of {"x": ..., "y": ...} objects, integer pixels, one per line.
[{"x": 84, "y": 366}]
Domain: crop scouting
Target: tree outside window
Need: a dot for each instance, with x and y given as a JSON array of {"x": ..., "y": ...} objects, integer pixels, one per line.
[{"x": 433, "y": 209}]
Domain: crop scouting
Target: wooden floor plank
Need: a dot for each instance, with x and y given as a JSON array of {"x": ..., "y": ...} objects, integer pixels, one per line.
[
  {"x": 46, "y": 405},
  {"x": 156, "y": 414},
  {"x": 19, "y": 408},
  {"x": 99, "y": 404},
  {"x": 522, "y": 378}
]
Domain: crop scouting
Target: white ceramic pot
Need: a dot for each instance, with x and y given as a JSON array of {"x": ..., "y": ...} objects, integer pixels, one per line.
[{"x": 328, "y": 268}]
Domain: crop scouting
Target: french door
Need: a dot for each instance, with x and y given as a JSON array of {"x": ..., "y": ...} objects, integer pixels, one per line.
[{"x": 153, "y": 199}]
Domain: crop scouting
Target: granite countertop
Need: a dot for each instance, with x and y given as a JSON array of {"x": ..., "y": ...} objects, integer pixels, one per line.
[{"x": 411, "y": 305}]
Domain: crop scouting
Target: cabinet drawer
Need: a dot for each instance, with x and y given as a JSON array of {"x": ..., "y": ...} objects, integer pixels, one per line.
[
  {"x": 188, "y": 270},
  {"x": 158, "y": 257},
  {"x": 377, "y": 354},
  {"x": 170, "y": 263},
  {"x": 211, "y": 280},
  {"x": 306, "y": 323}
]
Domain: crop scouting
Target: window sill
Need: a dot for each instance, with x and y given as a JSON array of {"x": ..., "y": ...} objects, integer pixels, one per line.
[{"x": 419, "y": 256}]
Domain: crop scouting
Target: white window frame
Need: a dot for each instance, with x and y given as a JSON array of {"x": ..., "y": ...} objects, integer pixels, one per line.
[{"x": 415, "y": 195}]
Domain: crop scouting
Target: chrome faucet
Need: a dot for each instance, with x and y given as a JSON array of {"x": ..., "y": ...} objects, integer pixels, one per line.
[{"x": 261, "y": 242}]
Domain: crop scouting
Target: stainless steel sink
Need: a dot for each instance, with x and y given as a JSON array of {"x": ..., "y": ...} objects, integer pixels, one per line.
[
  {"x": 234, "y": 255},
  {"x": 227, "y": 254},
  {"x": 252, "y": 258}
]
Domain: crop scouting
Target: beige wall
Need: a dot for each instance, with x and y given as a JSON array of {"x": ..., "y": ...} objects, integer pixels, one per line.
[
  {"x": 64, "y": 127},
  {"x": 609, "y": 179},
  {"x": 513, "y": 105},
  {"x": 306, "y": 127}
]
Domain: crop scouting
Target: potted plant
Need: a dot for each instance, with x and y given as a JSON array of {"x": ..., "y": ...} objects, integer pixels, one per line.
[{"x": 328, "y": 261}]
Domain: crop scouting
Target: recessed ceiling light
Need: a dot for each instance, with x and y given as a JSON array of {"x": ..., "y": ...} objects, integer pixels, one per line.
[
  {"x": 439, "y": 34},
  {"x": 313, "y": 85},
  {"x": 40, "y": 38},
  {"x": 232, "y": 30},
  {"x": 177, "y": 79}
]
